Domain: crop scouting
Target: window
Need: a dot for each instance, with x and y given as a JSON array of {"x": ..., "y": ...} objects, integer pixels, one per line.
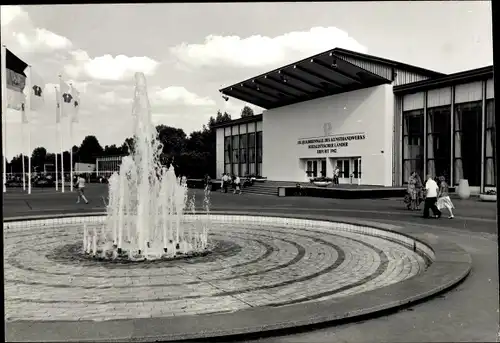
[
  {"x": 467, "y": 135},
  {"x": 439, "y": 141},
  {"x": 251, "y": 148},
  {"x": 413, "y": 143},
  {"x": 243, "y": 148},
  {"x": 490, "y": 172},
  {"x": 227, "y": 150},
  {"x": 259, "y": 147},
  {"x": 235, "y": 156}
]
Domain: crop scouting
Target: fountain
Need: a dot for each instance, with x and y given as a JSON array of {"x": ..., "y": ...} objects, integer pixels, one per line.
[{"x": 146, "y": 202}]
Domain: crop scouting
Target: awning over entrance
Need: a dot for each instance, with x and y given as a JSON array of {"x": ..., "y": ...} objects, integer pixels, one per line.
[{"x": 315, "y": 77}]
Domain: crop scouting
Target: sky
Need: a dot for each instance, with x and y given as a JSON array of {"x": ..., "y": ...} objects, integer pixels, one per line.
[{"x": 190, "y": 51}]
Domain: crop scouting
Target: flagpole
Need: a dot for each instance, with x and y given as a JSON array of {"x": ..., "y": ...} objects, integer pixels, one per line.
[
  {"x": 22, "y": 154},
  {"x": 28, "y": 116},
  {"x": 4, "y": 114},
  {"x": 57, "y": 136},
  {"x": 70, "y": 118},
  {"x": 61, "y": 136}
]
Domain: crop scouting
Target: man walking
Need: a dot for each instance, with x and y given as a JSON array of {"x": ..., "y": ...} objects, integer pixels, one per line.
[
  {"x": 225, "y": 182},
  {"x": 431, "y": 189}
]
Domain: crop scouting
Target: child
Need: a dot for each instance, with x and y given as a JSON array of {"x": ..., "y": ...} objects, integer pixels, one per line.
[{"x": 444, "y": 200}]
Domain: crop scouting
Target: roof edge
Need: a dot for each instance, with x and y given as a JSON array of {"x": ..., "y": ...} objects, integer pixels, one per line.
[
  {"x": 244, "y": 120},
  {"x": 426, "y": 72},
  {"x": 345, "y": 52},
  {"x": 463, "y": 76}
]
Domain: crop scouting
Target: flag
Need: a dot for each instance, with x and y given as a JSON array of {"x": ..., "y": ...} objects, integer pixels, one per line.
[
  {"x": 24, "y": 115},
  {"x": 76, "y": 103},
  {"x": 66, "y": 99},
  {"x": 37, "y": 88},
  {"x": 58, "y": 106},
  {"x": 16, "y": 80}
]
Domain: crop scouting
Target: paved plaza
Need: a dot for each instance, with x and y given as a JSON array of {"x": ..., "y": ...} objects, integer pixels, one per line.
[{"x": 255, "y": 265}]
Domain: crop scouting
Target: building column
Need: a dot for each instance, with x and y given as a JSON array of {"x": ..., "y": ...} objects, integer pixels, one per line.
[
  {"x": 425, "y": 135},
  {"x": 483, "y": 132},
  {"x": 452, "y": 145}
]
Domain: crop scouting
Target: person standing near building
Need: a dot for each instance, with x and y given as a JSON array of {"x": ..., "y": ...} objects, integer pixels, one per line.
[
  {"x": 225, "y": 182},
  {"x": 80, "y": 185},
  {"x": 237, "y": 185},
  {"x": 336, "y": 173},
  {"x": 432, "y": 190},
  {"x": 444, "y": 200}
]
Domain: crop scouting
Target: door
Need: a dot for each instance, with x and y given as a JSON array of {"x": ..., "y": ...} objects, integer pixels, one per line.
[
  {"x": 315, "y": 168},
  {"x": 323, "y": 168},
  {"x": 344, "y": 170},
  {"x": 356, "y": 170}
]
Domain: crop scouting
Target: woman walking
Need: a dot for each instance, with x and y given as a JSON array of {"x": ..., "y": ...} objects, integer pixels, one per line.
[
  {"x": 444, "y": 200},
  {"x": 411, "y": 199},
  {"x": 80, "y": 184}
]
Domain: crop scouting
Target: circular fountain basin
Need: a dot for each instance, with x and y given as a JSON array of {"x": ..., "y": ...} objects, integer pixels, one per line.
[{"x": 254, "y": 262}]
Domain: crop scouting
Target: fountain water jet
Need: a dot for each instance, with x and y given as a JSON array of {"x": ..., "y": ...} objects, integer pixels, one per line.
[{"x": 146, "y": 201}]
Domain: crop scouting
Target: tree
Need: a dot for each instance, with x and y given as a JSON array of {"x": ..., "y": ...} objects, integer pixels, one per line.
[
  {"x": 172, "y": 139},
  {"x": 246, "y": 112},
  {"x": 89, "y": 150},
  {"x": 38, "y": 158}
]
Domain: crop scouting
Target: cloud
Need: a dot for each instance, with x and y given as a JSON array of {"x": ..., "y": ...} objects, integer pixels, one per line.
[
  {"x": 234, "y": 107},
  {"x": 108, "y": 67},
  {"x": 258, "y": 51},
  {"x": 178, "y": 96},
  {"x": 20, "y": 32}
]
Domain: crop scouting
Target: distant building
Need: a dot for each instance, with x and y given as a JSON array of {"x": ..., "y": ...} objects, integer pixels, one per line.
[
  {"x": 377, "y": 120},
  {"x": 105, "y": 166}
]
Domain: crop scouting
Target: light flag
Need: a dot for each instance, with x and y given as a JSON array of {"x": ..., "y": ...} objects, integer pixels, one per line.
[
  {"x": 37, "y": 89},
  {"x": 76, "y": 103},
  {"x": 66, "y": 99},
  {"x": 58, "y": 106},
  {"x": 16, "y": 80}
]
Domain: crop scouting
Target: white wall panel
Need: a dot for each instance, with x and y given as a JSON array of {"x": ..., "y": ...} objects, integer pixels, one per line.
[
  {"x": 219, "y": 152},
  {"x": 259, "y": 126},
  {"x": 367, "y": 112},
  {"x": 413, "y": 101},
  {"x": 227, "y": 131},
  {"x": 243, "y": 128},
  {"x": 490, "y": 91},
  {"x": 468, "y": 92},
  {"x": 439, "y": 97}
]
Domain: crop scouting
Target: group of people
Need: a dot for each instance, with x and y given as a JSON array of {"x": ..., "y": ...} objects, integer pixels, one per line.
[
  {"x": 434, "y": 194},
  {"x": 231, "y": 180}
]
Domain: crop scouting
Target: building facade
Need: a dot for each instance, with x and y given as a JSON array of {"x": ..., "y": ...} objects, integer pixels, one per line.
[{"x": 376, "y": 120}]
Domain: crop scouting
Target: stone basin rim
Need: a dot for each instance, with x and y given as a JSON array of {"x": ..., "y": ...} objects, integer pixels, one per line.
[{"x": 452, "y": 264}]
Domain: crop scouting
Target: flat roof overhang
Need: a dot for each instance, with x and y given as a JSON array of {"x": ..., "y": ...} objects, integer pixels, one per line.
[
  {"x": 322, "y": 75},
  {"x": 478, "y": 74}
]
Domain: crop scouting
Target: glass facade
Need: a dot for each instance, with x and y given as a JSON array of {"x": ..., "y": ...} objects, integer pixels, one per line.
[
  {"x": 413, "y": 143},
  {"x": 439, "y": 141},
  {"x": 243, "y": 150},
  {"x": 490, "y": 170},
  {"x": 457, "y": 141},
  {"x": 467, "y": 152}
]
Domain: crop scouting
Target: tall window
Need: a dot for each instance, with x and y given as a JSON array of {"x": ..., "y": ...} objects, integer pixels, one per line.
[
  {"x": 236, "y": 153},
  {"x": 439, "y": 141},
  {"x": 467, "y": 152},
  {"x": 490, "y": 172},
  {"x": 413, "y": 143},
  {"x": 227, "y": 154},
  {"x": 243, "y": 155},
  {"x": 259, "y": 152},
  {"x": 251, "y": 153}
]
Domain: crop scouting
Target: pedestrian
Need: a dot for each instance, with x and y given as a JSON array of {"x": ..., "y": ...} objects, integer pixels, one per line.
[
  {"x": 237, "y": 185},
  {"x": 80, "y": 184},
  {"x": 225, "y": 182},
  {"x": 444, "y": 200},
  {"x": 336, "y": 173},
  {"x": 432, "y": 190}
]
